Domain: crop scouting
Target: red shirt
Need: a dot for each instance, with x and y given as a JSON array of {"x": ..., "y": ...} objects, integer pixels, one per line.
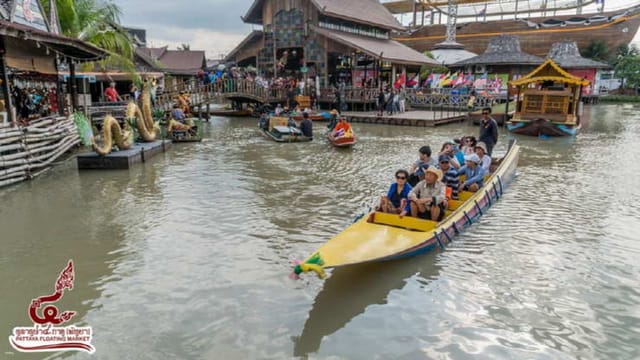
[{"x": 111, "y": 94}]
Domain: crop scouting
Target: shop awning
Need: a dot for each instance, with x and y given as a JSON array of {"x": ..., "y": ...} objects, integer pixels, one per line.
[{"x": 388, "y": 50}]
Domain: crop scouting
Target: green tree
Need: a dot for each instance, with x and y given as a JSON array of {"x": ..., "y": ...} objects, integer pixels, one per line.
[
  {"x": 628, "y": 69},
  {"x": 97, "y": 22},
  {"x": 597, "y": 50},
  {"x": 184, "y": 47}
]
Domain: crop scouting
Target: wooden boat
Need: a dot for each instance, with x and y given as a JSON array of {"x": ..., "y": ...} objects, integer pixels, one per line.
[
  {"x": 380, "y": 236},
  {"x": 279, "y": 131},
  {"x": 314, "y": 116},
  {"x": 341, "y": 141},
  {"x": 179, "y": 134},
  {"x": 550, "y": 110}
]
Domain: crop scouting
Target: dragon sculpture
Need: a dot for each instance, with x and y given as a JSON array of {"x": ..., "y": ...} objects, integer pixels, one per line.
[{"x": 114, "y": 134}]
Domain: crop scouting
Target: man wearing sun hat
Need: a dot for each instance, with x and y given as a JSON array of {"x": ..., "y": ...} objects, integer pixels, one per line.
[
  {"x": 428, "y": 196},
  {"x": 473, "y": 173}
]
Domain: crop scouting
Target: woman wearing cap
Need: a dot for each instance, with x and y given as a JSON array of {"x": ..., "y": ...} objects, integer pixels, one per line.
[
  {"x": 397, "y": 199},
  {"x": 481, "y": 151},
  {"x": 428, "y": 196},
  {"x": 473, "y": 173}
]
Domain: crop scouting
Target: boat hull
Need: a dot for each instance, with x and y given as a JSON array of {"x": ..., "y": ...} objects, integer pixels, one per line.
[
  {"x": 284, "y": 137},
  {"x": 382, "y": 237},
  {"x": 475, "y": 36},
  {"x": 542, "y": 127},
  {"x": 341, "y": 142},
  {"x": 314, "y": 117}
]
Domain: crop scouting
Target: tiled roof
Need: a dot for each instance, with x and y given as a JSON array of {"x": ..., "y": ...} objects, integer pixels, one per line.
[
  {"x": 369, "y": 12},
  {"x": 174, "y": 61},
  {"x": 566, "y": 54},
  {"x": 503, "y": 50},
  {"x": 391, "y": 50}
]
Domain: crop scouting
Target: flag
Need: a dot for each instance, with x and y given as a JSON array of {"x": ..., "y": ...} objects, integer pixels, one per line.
[
  {"x": 414, "y": 81},
  {"x": 400, "y": 81}
]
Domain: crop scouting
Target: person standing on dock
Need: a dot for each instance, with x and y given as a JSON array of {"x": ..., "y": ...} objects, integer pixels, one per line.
[
  {"x": 488, "y": 130},
  {"x": 111, "y": 94}
]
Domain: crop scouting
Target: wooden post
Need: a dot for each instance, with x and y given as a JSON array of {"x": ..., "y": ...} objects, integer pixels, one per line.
[
  {"x": 5, "y": 79},
  {"x": 59, "y": 98},
  {"x": 208, "y": 110},
  {"x": 74, "y": 86}
]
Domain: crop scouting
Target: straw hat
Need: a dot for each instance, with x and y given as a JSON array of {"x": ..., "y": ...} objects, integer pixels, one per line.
[{"x": 436, "y": 171}]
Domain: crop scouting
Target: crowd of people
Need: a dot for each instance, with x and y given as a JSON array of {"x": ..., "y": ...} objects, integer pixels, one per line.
[
  {"x": 425, "y": 190},
  {"x": 34, "y": 102}
]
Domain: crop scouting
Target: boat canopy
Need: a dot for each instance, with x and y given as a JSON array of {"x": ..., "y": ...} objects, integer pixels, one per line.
[{"x": 549, "y": 71}]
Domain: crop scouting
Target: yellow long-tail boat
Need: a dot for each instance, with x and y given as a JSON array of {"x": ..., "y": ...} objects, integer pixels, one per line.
[{"x": 381, "y": 236}]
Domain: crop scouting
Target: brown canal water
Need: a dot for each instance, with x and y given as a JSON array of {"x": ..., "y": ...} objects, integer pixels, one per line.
[{"x": 187, "y": 256}]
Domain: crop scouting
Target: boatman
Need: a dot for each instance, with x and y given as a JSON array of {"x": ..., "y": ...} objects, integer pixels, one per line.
[
  {"x": 428, "y": 196},
  {"x": 306, "y": 126},
  {"x": 488, "y": 130}
]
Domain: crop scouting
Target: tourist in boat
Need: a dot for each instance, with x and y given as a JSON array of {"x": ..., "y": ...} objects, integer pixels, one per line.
[
  {"x": 428, "y": 197},
  {"x": 424, "y": 161},
  {"x": 450, "y": 175},
  {"x": 449, "y": 149},
  {"x": 177, "y": 114},
  {"x": 468, "y": 145},
  {"x": 397, "y": 199},
  {"x": 343, "y": 128},
  {"x": 264, "y": 121},
  {"x": 488, "y": 130},
  {"x": 473, "y": 173},
  {"x": 278, "y": 109},
  {"x": 306, "y": 126},
  {"x": 485, "y": 160}
]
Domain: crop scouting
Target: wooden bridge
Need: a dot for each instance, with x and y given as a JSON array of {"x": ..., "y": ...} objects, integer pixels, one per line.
[{"x": 240, "y": 92}]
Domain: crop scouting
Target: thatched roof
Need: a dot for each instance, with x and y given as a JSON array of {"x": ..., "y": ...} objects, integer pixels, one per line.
[
  {"x": 447, "y": 53},
  {"x": 502, "y": 50},
  {"x": 370, "y": 12},
  {"x": 566, "y": 54}
]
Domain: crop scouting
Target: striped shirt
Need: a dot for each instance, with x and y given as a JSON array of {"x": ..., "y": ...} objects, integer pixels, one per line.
[{"x": 452, "y": 180}]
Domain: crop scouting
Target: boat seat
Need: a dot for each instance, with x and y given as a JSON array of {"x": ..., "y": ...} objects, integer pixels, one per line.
[
  {"x": 464, "y": 195},
  {"x": 406, "y": 222},
  {"x": 454, "y": 204}
]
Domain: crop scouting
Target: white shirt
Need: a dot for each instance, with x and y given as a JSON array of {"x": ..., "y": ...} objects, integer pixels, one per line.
[{"x": 486, "y": 163}]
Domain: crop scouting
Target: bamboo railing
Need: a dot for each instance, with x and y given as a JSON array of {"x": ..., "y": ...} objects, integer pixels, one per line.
[{"x": 27, "y": 151}]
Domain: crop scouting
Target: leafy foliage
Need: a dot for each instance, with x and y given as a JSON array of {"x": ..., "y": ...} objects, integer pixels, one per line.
[
  {"x": 597, "y": 50},
  {"x": 628, "y": 69},
  {"x": 96, "y": 22}
]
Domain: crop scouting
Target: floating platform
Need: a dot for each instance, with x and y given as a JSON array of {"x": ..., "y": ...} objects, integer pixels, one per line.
[
  {"x": 421, "y": 118},
  {"x": 139, "y": 152}
]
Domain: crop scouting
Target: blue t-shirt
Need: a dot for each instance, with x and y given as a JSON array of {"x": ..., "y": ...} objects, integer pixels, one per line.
[{"x": 392, "y": 194}]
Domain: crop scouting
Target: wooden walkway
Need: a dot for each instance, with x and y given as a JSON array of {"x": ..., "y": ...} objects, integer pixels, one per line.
[{"x": 421, "y": 118}]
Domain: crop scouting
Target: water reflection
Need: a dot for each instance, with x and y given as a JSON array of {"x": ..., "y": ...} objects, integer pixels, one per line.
[{"x": 350, "y": 290}]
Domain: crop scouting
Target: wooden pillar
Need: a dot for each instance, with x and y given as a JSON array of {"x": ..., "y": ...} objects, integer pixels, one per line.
[
  {"x": 404, "y": 73},
  {"x": 326, "y": 62},
  {"x": 5, "y": 80},
  {"x": 74, "y": 86},
  {"x": 393, "y": 76},
  {"x": 415, "y": 14},
  {"x": 59, "y": 98}
]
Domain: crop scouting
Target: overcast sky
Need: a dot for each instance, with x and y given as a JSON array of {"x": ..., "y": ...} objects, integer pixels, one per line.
[{"x": 211, "y": 25}]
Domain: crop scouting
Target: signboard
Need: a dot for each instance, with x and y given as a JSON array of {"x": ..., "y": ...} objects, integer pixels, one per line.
[{"x": 28, "y": 12}]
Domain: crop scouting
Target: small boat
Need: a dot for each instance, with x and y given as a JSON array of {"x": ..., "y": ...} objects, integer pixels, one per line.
[
  {"x": 342, "y": 141},
  {"x": 313, "y": 116},
  {"x": 278, "y": 130},
  {"x": 177, "y": 132},
  {"x": 549, "y": 110},
  {"x": 380, "y": 236}
]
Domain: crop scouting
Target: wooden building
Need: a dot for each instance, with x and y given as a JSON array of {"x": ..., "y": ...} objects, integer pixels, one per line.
[
  {"x": 31, "y": 53},
  {"x": 338, "y": 41}
]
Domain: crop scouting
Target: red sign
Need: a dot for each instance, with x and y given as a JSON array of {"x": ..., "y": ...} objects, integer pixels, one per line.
[
  {"x": 359, "y": 76},
  {"x": 588, "y": 74},
  {"x": 44, "y": 335}
]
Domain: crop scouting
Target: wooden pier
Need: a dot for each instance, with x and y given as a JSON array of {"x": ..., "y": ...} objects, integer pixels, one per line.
[
  {"x": 422, "y": 118},
  {"x": 139, "y": 152}
]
